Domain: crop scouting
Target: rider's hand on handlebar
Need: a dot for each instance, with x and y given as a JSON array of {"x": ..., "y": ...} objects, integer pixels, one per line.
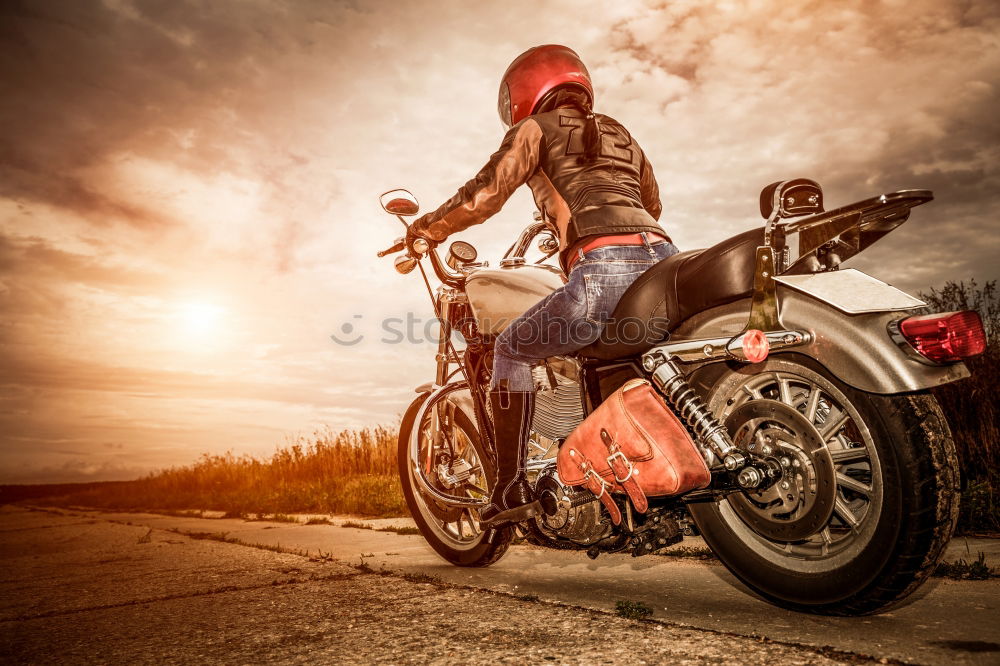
[{"x": 412, "y": 236}]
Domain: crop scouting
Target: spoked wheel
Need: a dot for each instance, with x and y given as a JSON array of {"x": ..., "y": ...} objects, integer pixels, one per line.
[
  {"x": 866, "y": 500},
  {"x": 451, "y": 454}
]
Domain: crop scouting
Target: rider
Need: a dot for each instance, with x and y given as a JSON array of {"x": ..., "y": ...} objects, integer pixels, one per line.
[{"x": 595, "y": 188}]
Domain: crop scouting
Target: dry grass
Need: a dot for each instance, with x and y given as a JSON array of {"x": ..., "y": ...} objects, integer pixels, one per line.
[
  {"x": 351, "y": 472},
  {"x": 319, "y": 521}
]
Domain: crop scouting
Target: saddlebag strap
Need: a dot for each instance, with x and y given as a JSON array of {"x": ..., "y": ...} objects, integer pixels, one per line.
[
  {"x": 593, "y": 482},
  {"x": 625, "y": 472}
]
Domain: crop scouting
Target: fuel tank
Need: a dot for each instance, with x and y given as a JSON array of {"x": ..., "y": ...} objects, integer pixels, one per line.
[{"x": 498, "y": 296}]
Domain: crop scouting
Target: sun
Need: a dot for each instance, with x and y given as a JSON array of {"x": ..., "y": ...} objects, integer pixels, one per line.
[{"x": 200, "y": 318}]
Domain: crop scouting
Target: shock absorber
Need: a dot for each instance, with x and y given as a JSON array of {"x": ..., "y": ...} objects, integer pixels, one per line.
[{"x": 688, "y": 405}]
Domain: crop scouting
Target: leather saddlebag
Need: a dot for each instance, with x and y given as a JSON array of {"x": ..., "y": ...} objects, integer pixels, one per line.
[{"x": 632, "y": 443}]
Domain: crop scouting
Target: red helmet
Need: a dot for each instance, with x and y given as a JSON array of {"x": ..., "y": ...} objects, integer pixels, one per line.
[{"x": 535, "y": 73}]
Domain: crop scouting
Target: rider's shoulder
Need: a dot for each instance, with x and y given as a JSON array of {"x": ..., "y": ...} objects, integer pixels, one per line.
[
  {"x": 553, "y": 116},
  {"x": 528, "y": 125},
  {"x": 607, "y": 120},
  {"x": 556, "y": 115}
]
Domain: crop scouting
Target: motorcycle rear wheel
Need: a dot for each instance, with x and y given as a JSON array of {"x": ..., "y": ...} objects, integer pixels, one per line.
[
  {"x": 894, "y": 498},
  {"x": 454, "y": 534}
]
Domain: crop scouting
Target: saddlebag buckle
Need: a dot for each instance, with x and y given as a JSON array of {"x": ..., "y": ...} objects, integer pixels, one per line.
[
  {"x": 589, "y": 473},
  {"x": 625, "y": 462},
  {"x": 590, "y": 481}
]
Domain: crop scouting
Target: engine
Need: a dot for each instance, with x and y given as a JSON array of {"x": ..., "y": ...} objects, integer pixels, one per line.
[
  {"x": 558, "y": 402},
  {"x": 568, "y": 513}
]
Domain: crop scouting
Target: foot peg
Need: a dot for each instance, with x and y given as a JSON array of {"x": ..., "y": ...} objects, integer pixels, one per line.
[{"x": 513, "y": 515}]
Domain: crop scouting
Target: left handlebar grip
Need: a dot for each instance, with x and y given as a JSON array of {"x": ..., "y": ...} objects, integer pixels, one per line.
[{"x": 395, "y": 248}]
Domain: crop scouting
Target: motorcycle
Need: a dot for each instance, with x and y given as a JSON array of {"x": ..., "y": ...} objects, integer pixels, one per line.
[{"x": 834, "y": 478}]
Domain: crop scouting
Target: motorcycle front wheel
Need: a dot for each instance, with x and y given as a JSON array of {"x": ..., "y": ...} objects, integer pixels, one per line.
[
  {"x": 451, "y": 450},
  {"x": 867, "y": 499}
]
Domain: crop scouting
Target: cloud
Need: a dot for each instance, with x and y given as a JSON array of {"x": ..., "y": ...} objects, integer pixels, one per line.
[
  {"x": 864, "y": 97},
  {"x": 36, "y": 259}
]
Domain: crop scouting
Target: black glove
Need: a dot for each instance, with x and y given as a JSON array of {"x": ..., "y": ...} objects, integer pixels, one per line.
[{"x": 412, "y": 234}]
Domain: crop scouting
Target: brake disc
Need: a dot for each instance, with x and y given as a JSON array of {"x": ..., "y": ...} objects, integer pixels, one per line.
[
  {"x": 442, "y": 512},
  {"x": 801, "y": 501}
]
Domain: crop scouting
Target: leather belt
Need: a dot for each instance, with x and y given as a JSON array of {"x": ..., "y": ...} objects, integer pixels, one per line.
[{"x": 604, "y": 241}]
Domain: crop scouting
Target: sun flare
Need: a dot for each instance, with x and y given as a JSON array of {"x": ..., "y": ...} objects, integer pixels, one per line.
[{"x": 199, "y": 318}]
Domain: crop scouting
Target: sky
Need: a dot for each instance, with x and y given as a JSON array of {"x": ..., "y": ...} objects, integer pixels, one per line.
[{"x": 189, "y": 190}]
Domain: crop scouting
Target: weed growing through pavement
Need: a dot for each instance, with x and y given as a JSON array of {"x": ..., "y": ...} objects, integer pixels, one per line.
[
  {"x": 691, "y": 552},
  {"x": 405, "y": 529},
  {"x": 363, "y": 566},
  {"x": 213, "y": 536},
  {"x": 321, "y": 556},
  {"x": 633, "y": 610},
  {"x": 962, "y": 570},
  {"x": 181, "y": 514},
  {"x": 419, "y": 578},
  {"x": 272, "y": 517},
  {"x": 399, "y": 530}
]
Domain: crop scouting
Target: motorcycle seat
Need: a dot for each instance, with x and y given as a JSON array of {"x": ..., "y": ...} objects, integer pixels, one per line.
[{"x": 675, "y": 289}]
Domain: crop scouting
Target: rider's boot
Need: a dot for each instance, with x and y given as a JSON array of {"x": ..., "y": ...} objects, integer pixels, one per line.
[{"x": 512, "y": 500}]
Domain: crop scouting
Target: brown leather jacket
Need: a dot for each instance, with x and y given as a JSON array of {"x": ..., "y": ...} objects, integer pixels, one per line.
[{"x": 616, "y": 193}]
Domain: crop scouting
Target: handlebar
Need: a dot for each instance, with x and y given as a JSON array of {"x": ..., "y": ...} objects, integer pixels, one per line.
[
  {"x": 456, "y": 280},
  {"x": 520, "y": 246},
  {"x": 422, "y": 248},
  {"x": 399, "y": 245}
]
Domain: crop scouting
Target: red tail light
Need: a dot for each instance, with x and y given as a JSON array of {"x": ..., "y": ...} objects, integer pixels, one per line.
[
  {"x": 755, "y": 345},
  {"x": 947, "y": 337}
]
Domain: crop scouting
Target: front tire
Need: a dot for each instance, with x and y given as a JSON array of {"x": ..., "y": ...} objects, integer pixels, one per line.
[
  {"x": 455, "y": 534},
  {"x": 892, "y": 488}
]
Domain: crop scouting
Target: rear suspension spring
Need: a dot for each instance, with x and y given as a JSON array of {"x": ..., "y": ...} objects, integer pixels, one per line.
[{"x": 689, "y": 406}]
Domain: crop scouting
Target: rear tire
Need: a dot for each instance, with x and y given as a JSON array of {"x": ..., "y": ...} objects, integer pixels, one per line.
[
  {"x": 454, "y": 534},
  {"x": 896, "y": 494}
]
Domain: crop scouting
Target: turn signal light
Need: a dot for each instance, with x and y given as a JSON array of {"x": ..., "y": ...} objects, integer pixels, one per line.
[
  {"x": 947, "y": 337},
  {"x": 755, "y": 345}
]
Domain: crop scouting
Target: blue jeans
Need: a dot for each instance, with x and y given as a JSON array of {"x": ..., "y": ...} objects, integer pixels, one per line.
[{"x": 573, "y": 316}]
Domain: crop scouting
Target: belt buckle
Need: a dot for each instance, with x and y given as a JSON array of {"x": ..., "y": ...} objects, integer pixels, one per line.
[
  {"x": 588, "y": 472},
  {"x": 626, "y": 461}
]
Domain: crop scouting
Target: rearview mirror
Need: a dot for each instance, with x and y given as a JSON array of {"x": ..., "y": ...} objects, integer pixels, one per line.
[{"x": 399, "y": 202}]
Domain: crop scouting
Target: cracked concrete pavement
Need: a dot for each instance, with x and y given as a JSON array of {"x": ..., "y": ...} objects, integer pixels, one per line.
[{"x": 81, "y": 586}]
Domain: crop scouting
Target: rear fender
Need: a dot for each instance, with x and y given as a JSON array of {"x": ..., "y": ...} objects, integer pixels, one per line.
[{"x": 854, "y": 347}]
